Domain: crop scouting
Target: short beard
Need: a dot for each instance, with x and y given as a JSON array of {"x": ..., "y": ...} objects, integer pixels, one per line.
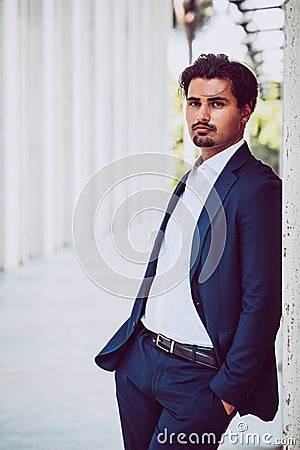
[{"x": 203, "y": 141}]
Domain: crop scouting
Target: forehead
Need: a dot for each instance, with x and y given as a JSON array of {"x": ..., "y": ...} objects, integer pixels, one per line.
[{"x": 215, "y": 87}]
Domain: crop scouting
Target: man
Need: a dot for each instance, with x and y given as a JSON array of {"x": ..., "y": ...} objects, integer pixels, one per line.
[{"x": 191, "y": 357}]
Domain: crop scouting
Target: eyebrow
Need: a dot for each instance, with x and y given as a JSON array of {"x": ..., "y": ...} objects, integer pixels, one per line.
[{"x": 196, "y": 99}]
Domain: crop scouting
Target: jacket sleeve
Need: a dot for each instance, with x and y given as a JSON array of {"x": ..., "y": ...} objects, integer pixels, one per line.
[{"x": 260, "y": 263}]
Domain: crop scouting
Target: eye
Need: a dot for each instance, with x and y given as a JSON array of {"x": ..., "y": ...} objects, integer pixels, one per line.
[
  {"x": 218, "y": 104},
  {"x": 194, "y": 104}
]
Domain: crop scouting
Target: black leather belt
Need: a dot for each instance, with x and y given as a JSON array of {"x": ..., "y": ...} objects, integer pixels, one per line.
[{"x": 195, "y": 353}]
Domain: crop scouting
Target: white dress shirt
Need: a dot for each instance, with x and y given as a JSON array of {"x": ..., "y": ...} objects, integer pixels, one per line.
[{"x": 170, "y": 311}]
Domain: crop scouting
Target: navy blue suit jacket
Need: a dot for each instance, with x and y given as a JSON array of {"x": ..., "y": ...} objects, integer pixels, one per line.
[{"x": 240, "y": 303}]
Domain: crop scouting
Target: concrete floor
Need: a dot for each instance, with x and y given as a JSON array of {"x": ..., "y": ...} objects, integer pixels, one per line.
[{"x": 53, "y": 397}]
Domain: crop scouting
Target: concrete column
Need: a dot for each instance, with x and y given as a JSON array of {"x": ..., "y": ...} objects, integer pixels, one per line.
[
  {"x": 103, "y": 94},
  {"x": 78, "y": 144},
  {"x": 24, "y": 131},
  {"x": 80, "y": 147},
  {"x": 120, "y": 95},
  {"x": 103, "y": 110},
  {"x": 66, "y": 119},
  {"x": 160, "y": 81},
  {"x": 137, "y": 72},
  {"x": 136, "y": 111},
  {"x": 49, "y": 141},
  {"x": 35, "y": 112},
  {"x": 14, "y": 135},
  {"x": 61, "y": 122},
  {"x": 2, "y": 205},
  {"x": 10, "y": 184},
  {"x": 119, "y": 77},
  {"x": 291, "y": 209},
  {"x": 161, "y": 100},
  {"x": 146, "y": 69}
]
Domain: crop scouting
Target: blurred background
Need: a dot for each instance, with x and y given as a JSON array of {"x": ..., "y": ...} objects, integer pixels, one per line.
[{"x": 83, "y": 83}]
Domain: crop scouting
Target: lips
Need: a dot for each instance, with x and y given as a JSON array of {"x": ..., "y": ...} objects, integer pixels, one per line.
[{"x": 202, "y": 128}]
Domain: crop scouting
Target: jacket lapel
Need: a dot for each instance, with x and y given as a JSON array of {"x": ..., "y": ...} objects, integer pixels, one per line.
[
  {"x": 213, "y": 204},
  {"x": 151, "y": 269}
]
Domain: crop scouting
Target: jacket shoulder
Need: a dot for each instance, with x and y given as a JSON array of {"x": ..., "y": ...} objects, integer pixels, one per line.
[{"x": 255, "y": 175}]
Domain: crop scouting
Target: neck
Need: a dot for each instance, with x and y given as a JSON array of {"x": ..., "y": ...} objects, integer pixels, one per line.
[{"x": 208, "y": 153}]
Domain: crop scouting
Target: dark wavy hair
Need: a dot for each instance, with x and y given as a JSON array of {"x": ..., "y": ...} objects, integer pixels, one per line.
[{"x": 244, "y": 85}]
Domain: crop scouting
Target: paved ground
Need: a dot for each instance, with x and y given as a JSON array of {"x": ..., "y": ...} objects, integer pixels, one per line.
[{"x": 53, "y": 397}]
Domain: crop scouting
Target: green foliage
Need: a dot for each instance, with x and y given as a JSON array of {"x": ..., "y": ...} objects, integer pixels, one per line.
[
  {"x": 177, "y": 131},
  {"x": 265, "y": 132}
]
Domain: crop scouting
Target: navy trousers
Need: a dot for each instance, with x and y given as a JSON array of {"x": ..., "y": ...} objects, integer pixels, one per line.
[{"x": 165, "y": 401}]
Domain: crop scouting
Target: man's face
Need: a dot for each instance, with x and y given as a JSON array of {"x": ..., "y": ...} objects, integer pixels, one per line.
[{"x": 214, "y": 120}]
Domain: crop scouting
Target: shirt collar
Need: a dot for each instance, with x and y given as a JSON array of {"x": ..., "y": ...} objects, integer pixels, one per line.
[{"x": 217, "y": 162}]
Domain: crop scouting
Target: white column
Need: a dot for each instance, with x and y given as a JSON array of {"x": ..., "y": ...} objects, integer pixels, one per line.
[
  {"x": 136, "y": 70},
  {"x": 66, "y": 119},
  {"x": 146, "y": 69},
  {"x": 137, "y": 73},
  {"x": 119, "y": 77},
  {"x": 80, "y": 147},
  {"x": 76, "y": 80},
  {"x": 35, "y": 173},
  {"x": 61, "y": 123},
  {"x": 86, "y": 88},
  {"x": 291, "y": 209},
  {"x": 120, "y": 96},
  {"x": 162, "y": 15},
  {"x": 160, "y": 29},
  {"x": 103, "y": 82},
  {"x": 2, "y": 204},
  {"x": 103, "y": 93},
  {"x": 49, "y": 142},
  {"x": 24, "y": 131},
  {"x": 11, "y": 142}
]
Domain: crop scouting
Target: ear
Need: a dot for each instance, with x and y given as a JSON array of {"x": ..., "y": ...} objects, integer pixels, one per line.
[{"x": 246, "y": 113}]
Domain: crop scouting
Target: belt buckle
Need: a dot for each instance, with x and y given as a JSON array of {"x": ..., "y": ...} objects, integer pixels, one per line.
[{"x": 160, "y": 345}]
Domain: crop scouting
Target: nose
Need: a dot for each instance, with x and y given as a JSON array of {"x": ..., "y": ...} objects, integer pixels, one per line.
[{"x": 203, "y": 113}]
